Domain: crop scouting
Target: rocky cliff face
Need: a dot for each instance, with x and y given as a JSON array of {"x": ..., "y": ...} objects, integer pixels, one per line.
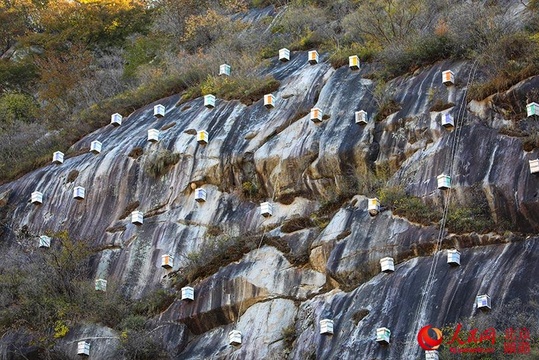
[{"x": 286, "y": 279}]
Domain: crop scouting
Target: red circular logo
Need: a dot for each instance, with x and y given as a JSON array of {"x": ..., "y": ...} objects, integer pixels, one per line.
[{"x": 426, "y": 341}]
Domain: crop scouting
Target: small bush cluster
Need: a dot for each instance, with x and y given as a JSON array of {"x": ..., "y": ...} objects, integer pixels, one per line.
[
  {"x": 54, "y": 291},
  {"x": 161, "y": 163},
  {"x": 296, "y": 224},
  {"x": 409, "y": 207},
  {"x": 530, "y": 142},
  {"x": 462, "y": 219},
  {"x": 387, "y": 108},
  {"x": 245, "y": 89}
]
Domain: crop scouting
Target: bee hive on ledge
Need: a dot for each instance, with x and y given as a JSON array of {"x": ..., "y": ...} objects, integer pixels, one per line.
[
  {"x": 159, "y": 111},
  {"x": 444, "y": 182},
  {"x": 36, "y": 198},
  {"x": 284, "y": 54},
  {"x": 44, "y": 241},
  {"x": 269, "y": 101},
  {"x": 224, "y": 69},
  {"x": 387, "y": 264},
  {"x": 453, "y": 257},
  {"x": 326, "y": 327},
  {"x": 167, "y": 261},
  {"x": 448, "y": 77},
  {"x": 188, "y": 293},
  {"x": 234, "y": 337},
  {"x": 373, "y": 206},
  {"x": 316, "y": 115},
  {"x": 78, "y": 193},
  {"x": 382, "y": 335},
  {"x": 137, "y": 218},
  {"x": 153, "y": 135},
  {"x": 200, "y": 195},
  {"x": 209, "y": 101},
  {"x": 353, "y": 62},
  {"x": 266, "y": 209},
  {"x": 83, "y": 348},
  {"x": 101, "y": 285},
  {"x": 202, "y": 137},
  {"x": 58, "y": 157},
  {"x": 532, "y": 109},
  {"x": 447, "y": 121},
  {"x": 361, "y": 117},
  {"x": 95, "y": 147},
  {"x": 313, "y": 57},
  {"x": 483, "y": 302},
  {"x": 116, "y": 119},
  {"x": 534, "y": 166}
]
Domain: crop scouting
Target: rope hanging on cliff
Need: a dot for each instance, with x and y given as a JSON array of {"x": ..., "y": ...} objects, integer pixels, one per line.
[{"x": 459, "y": 121}]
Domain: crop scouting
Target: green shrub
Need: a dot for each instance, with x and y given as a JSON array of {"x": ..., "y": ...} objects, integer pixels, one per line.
[
  {"x": 530, "y": 142},
  {"x": 461, "y": 219},
  {"x": 339, "y": 57},
  {"x": 142, "y": 345},
  {"x": 17, "y": 107},
  {"x": 139, "y": 52},
  {"x": 246, "y": 89},
  {"x": 160, "y": 164},
  {"x": 387, "y": 108},
  {"x": 154, "y": 303},
  {"x": 409, "y": 207},
  {"x": 403, "y": 57},
  {"x": 249, "y": 190},
  {"x": 440, "y": 105},
  {"x": 296, "y": 224}
]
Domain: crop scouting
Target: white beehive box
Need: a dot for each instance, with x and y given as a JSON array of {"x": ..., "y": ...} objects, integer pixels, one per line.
[
  {"x": 266, "y": 209},
  {"x": 224, "y": 69},
  {"x": 188, "y": 293},
  {"x": 83, "y": 348},
  {"x": 313, "y": 57},
  {"x": 326, "y": 327},
  {"x": 44, "y": 241},
  {"x": 96, "y": 146},
  {"x": 534, "y": 166},
  {"x": 382, "y": 335},
  {"x": 353, "y": 62},
  {"x": 116, "y": 119},
  {"x": 153, "y": 135},
  {"x": 284, "y": 54},
  {"x": 167, "y": 261},
  {"x": 483, "y": 302},
  {"x": 316, "y": 115},
  {"x": 100, "y": 285},
  {"x": 78, "y": 193},
  {"x": 373, "y": 206},
  {"x": 209, "y": 101},
  {"x": 269, "y": 101},
  {"x": 387, "y": 264},
  {"x": 58, "y": 157},
  {"x": 159, "y": 111},
  {"x": 234, "y": 337},
  {"x": 447, "y": 121},
  {"x": 200, "y": 194},
  {"x": 202, "y": 137},
  {"x": 37, "y": 198},
  {"x": 448, "y": 77},
  {"x": 532, "y": 109},
  {"x": 137, "y": 217},
  {"x": 431, "y": 355},
  {"x": 444, "y": 182},
  {"x": 362, "y": 117},
  {"x": 453, "y": 257}
]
